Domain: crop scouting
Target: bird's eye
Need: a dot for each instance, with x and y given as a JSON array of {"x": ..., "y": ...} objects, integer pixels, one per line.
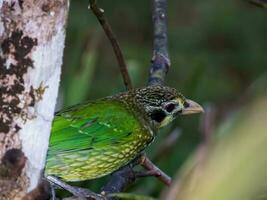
[{"x": 170, "y": 107}]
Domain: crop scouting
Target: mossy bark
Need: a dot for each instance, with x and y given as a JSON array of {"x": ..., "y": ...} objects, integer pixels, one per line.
[{"x": 32, "y": 34}]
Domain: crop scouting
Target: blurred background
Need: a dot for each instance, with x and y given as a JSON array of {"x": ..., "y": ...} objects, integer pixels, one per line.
[{"x": 218, "y": 55}]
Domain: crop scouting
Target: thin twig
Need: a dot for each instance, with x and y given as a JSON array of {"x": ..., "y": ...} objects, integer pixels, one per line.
[
  {"x": 147, "y": 164},
  {"x": 124, "y": 177},
  {"x": 160, "y": 60},
  {"x": 76, "y": 191},
  {"x": 130, "y": 196},
  {"x": 99, "y": 13},
  {"x": 259, "y": 3}
]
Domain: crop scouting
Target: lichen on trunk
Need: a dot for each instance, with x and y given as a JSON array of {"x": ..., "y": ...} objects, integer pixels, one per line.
[{"x": 32, "y": 34}]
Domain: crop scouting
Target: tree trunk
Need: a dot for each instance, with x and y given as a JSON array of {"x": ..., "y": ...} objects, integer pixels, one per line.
[{"x": 32, "y": 34}]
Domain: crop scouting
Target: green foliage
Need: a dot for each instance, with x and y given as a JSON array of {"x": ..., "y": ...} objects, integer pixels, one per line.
[
  {"x": 81, "y": 79},
  {"x": 130, "y": 196}
]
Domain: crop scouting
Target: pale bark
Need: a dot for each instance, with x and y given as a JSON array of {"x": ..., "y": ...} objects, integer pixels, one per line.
[{"x": 32, "y": 34}]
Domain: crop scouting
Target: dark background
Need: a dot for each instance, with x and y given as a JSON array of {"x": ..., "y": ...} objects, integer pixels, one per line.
[{"x": 218, "y": 55}]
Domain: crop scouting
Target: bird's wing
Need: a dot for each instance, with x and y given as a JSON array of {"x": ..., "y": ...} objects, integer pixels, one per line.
[{"x": 92, "y": 125}]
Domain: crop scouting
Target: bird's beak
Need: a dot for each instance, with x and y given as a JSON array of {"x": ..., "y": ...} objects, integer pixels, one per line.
[{"x": 192, "y": 107}]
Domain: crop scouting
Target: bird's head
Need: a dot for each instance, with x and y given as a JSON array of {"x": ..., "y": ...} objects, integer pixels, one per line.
[{"x": 163, "y": 104}]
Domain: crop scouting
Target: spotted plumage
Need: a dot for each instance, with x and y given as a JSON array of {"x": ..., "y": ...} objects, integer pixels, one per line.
[{"x": 96, "y": 138}]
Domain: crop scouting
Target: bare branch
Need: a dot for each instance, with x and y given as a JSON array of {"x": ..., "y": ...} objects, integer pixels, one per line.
[
  {"x": 122, "y": 178},
  {"x": 99, "y": 13},
  {"x": 160, "y": 60},
  {"x": 147, "y": 164},
  {"x": 260, "y": 3},
  {"x": 78, "y": 192}
]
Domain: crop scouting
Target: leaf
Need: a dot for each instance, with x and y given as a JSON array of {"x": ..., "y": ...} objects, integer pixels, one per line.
[{"x": 130, "y": 196}]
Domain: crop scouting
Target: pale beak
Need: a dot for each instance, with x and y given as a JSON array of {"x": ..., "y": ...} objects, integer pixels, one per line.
[{"x": 191, "y": 108}]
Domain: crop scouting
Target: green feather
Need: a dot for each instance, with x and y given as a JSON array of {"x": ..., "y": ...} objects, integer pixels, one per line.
[{"x": 91, "y": 140}]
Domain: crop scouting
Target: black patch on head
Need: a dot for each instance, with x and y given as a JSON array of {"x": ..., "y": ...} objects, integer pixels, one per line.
[
  {"x": 158, "y": 115},
  {"x": 170, "y": 107}
]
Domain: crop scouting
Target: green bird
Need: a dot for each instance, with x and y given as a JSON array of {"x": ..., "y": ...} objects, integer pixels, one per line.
[{"x": 94, "y": 139}]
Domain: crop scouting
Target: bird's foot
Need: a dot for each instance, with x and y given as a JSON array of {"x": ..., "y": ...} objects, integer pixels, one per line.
[{"x": 83, "y": 194}]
